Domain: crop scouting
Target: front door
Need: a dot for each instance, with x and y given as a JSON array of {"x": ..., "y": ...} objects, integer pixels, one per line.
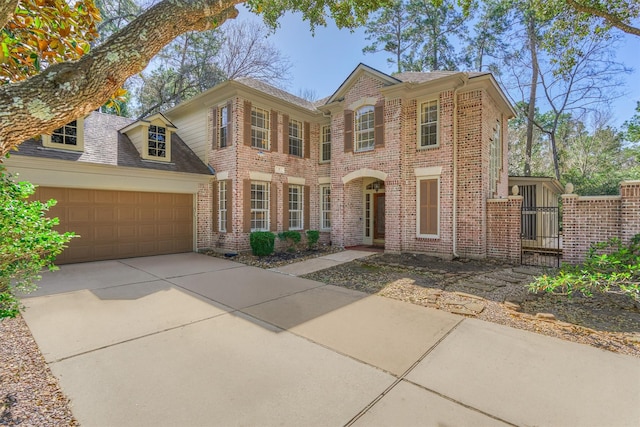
[{"x": 378, "y": 216}]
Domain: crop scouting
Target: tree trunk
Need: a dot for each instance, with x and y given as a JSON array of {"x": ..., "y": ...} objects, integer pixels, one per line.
[
  {"x": 531, "y": 112},
  {"x": 34, "y": 106},
  {"x": 554, "y": 152}
]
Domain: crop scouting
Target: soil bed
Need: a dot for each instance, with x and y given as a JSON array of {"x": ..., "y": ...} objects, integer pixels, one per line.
[
  {"x": 494, "y": 292},
  {"x": 277, "y": 259}
]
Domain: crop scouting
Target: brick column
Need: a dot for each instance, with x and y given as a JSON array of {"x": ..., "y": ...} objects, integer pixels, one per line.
[
  {"x": 570, "y": 240},
  {"x": 503, "y": 229},
  {"x": 630, "y": 210}
]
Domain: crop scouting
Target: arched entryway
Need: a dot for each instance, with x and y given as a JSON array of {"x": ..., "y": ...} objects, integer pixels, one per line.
[{"x": 364, "y": 208}]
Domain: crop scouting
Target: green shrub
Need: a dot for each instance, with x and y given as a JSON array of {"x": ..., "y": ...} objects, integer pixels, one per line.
[
  {"x": 610, "y": 267},
  {"x": 28, "y": 242},
  {"x": 292, "y": 238},
  {"x": 262, "y": 242},
  {"x": 312, "y": 238}
]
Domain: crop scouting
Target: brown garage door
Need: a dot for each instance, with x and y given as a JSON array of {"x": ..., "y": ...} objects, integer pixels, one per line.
[{"x": 121, "y": 224}]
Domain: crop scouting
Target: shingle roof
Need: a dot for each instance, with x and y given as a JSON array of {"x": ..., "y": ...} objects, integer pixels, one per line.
[
  {"x": 278, "y": 93},
  {"x": 103, "y": 144},
  {"x": 420, "y": 77}
]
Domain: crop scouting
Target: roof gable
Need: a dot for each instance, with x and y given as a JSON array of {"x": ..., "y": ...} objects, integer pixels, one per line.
[{"x": 355, "y": 75}]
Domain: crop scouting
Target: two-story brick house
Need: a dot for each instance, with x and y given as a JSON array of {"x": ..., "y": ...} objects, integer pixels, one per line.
[{"x": 406, "y": 162}]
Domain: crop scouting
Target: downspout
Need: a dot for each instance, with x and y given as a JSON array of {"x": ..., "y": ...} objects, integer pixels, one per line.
[{"x": 464, "y": 79}]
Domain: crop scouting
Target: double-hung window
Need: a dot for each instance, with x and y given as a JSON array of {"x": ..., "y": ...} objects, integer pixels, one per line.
[
  {"x": 325, "y": 144},
  {"x": 296, "y": 143},
  {"x": 260, "y": 128},
  {"x": 296, "y": 207},
  {"x": 428, "y": 124},
  {"x": 157, "y": 141},
  {"x": 325, "y": 207},
  {"x": 259, "y": 206},
  {"x": 365, "y": 128}
]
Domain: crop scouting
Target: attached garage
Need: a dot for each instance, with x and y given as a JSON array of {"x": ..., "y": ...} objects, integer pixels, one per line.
[{"x": 121, "y": 224}]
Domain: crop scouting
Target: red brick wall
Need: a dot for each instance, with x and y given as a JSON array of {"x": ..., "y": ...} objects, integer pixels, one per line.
[
  {"x": 503, "y": 228},
  {"x": 587, "y": 220},
  {"x": 203, "y": 216}
]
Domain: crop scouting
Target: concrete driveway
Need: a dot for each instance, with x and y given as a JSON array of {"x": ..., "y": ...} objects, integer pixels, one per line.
[{"x": 190, "y": 340}]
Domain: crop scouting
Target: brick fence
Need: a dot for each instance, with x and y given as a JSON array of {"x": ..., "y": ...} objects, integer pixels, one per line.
[
  {"x": 503, "y": 228},
  {"x": 587, "y": 220}
]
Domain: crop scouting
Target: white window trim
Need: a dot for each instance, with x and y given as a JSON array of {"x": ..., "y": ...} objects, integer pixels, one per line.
[
  {"x": 220, "y": 120},
  {"x": 426, "y": 178},
  {"x": 322, "y": 210},
  {"x": 267, "y": 129},
  {"x": 222, "y": 196},
  {"x": 419, "y": 124},
  {"x": 301, "y": 137},
  {"x": 323, "y": 142},
  {"x": 267, "y": 210},
  {"x": 357, "y": 132},
  {"x": 300, "y": 203},
  {"x": 46, "y": 139}
]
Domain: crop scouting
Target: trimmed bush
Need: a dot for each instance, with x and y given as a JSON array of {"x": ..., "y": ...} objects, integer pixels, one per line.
[
  {"x": 262, "y": 242},
  {"x": 292, "y": 238},
  {"x": 312, "y": 238}
]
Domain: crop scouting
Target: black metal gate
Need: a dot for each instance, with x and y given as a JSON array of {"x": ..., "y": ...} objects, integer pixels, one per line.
[{"x": 541, "y": 241}]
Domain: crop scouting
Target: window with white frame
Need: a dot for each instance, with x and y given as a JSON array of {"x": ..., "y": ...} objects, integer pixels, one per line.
[
  {"x": 66, "y": 135},
  {"x": 428, "y": 207},
  {"x": 325, "y": 144},
  {"x": 295, "y": 138},
  {"x": 365, "y": 128},
  {"x": 223, "y": 118},
  {"x": 325, "y": 207},
  {"x": 157, "y": 141},
  {"x": 259, "y": 206},
  {"x": 260, "y": 128},
  {"x": 296, "y": 209},
  {"x": 495, "y": 157},
  {"x": 222, "y": 206},
  {"x": 428, "y": 124}
]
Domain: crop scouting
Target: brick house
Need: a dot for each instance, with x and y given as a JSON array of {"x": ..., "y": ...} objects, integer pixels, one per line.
[{"x": 408, "y": 162}]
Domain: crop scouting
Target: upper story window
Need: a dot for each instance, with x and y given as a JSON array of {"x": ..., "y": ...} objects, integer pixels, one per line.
[
  {"x": 151, "y": 137},
  {"x": 157, "y": 141},
  {"x": 260, "y": 128},
  {"x": 296, "y": 143},
  {"x": 325, "y": 144},
  {"x": 495, "y": 157},
  {"x": 223, "y": 121},
  {"x": 67, "y": 137},
  {"x": 365, "y": 128},
  {"x": 428, "y": 124}
]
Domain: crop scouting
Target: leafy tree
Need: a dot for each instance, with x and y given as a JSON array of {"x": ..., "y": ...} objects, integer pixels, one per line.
[
  {"x": 392, "y": 30},
  {"x": 62, "y": 92},
  {"x": 28, "y": 241},
  {"x": 632, "y": 127},
  {"x": 40, "y": 33}
]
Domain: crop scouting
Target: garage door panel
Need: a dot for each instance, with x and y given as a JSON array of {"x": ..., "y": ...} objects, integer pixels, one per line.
[
  {"x": 80, "y": 196},
  {"x": 120, "y": 224},
  {"x": 80, "y": 214}
]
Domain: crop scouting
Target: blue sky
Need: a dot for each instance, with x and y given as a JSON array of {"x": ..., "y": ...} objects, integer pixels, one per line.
[{"x": 322, "y": 62}]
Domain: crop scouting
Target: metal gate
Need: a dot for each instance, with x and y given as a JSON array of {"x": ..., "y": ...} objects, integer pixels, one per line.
[{"x": 541, "y": 242}]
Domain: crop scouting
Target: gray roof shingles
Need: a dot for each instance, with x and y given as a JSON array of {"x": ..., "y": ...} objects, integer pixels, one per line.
[{"x": 103, "y": 144}]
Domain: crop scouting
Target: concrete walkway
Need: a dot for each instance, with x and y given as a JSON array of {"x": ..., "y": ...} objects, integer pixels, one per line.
[
  {"x": 320, "y": 263},
  {"x": 192, "y": 340}
]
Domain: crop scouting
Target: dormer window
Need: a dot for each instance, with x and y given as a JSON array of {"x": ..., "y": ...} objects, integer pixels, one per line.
[
  {"x": 152, "y": 137},
  {"x": 157, "y": 141},
  {"x": 67, "y": 137}
]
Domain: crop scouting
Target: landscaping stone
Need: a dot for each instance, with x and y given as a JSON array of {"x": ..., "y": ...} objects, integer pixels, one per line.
[{"x": 545, "y": 316}]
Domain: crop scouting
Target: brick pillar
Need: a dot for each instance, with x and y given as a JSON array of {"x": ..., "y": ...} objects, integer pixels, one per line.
[
  {"x": 393, "y": 223},
  {"x": 630, "y": 210},
  {"x": 571, "y": 247},
  {"x": 503, "y": 229}
]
